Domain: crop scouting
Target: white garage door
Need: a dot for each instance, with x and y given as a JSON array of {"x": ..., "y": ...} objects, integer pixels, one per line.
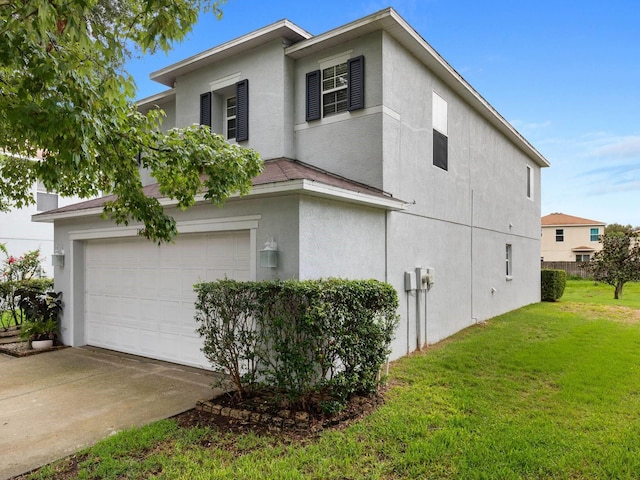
[{"x": 139, "y": 297}]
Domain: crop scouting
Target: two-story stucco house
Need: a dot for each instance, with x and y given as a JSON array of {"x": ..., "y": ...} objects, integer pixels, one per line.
[
  {"x": 566, "y": 238},
  {"x": 380, "y": 159}
]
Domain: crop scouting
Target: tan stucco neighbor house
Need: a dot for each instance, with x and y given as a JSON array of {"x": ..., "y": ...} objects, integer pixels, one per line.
[
  {"x": 566, "y": 238},
  {"x": 381, "y": 162}
]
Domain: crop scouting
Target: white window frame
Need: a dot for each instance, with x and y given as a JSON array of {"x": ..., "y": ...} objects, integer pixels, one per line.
[
  {"x": 560, "y": 235},
  {"x": 530, "y": 183},
  {"x": 228, "y": 117},
  {"x": 333, "y": 90},
  {"x": 597, "y": 229},
  {"x": 509, "y": 261}
]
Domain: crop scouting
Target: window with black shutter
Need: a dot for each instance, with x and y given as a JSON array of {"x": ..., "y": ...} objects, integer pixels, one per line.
[
  {"x": 242, "y": 110},
  {"x": 205, "y": 109},
  {"x": 313, "y": 96},
  {"x": 335, "y": 89},
  {"x": 355, "y": 83}
]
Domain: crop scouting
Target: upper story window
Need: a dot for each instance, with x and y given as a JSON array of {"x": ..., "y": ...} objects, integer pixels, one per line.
[
  {"x": 45, "y": 200},
  {"x": 559, "y": 234},
  {"x": 440, "y": 132},
  {"x": 594, "y": 235},
  {"x": 230, "y": 121},
  {"x": 226, "y": 110},
  {"x": 529, "y": 182},
  {"x": 335, "y": 89}
]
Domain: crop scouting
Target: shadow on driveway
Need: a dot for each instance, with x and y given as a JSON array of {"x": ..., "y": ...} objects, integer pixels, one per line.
[{"x": 53, "y": 404}]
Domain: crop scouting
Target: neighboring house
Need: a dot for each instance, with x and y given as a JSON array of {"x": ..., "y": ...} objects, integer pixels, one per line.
[
  {"x": 566, "y": 238},
  {"x": 21, "y": 235},
  {"x": 380, "y": 158}
]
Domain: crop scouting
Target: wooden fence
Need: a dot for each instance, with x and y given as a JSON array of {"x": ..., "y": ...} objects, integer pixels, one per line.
[{"x": 572, "y": 268}]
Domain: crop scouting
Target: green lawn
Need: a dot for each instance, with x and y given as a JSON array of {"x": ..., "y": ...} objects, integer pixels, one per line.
[{"x": 549, "y": 391}]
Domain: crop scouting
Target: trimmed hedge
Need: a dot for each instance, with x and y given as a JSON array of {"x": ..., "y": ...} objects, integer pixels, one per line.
[
  {"x": 305, "y": 338},
  {"x": 552, "y": 284}
]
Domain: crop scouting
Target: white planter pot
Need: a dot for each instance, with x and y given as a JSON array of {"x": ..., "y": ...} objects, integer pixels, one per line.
[{"x": 41, "y": 344}]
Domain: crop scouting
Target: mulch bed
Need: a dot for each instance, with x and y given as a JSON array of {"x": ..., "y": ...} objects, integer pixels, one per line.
[{"x": 264, "y": 414}]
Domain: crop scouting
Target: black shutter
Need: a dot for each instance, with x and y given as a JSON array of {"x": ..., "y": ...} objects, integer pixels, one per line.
[
  {"x": 440, "y": 150},
  {"x": 242, "y": 111},
  {"x": 355, "y": 85},
  {"x": 205, "y": 109},
  {"x": 313, "y": 96}
]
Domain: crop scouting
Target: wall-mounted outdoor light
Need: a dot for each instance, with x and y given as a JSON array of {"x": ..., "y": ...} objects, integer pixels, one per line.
[
  {"x": 269, "y": 254},
  {"x": 57, "y": 259}
]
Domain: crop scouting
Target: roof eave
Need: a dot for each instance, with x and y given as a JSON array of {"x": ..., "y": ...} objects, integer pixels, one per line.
[
  {"x": 392, "y": 23},
  {"x": 157, "y": 99},
  {"x": 301, "y": 186},
  {"x": 281, "y": 29}
]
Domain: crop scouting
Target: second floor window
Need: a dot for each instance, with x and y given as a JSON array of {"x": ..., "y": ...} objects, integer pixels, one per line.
[
  {"x": 230, "y": 118},
  {"x": 595, "y": 234},
  {"x": 559, "y": 235},
  {"x": 45, "y": 200},
  {"x": 334, "y": 89}
]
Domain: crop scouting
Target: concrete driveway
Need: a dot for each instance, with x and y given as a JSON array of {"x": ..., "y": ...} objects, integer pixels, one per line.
[{"x": 56, "y": 403}]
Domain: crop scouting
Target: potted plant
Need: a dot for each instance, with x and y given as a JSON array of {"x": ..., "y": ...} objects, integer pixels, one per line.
[
  {"x": 41, "y": 326},
  {"x": 41, "y": 334}
]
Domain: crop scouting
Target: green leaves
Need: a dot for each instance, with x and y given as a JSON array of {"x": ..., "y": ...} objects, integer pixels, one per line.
[
  {"x": 65, "y": 99},
  {"x": 303, "y": 338}
]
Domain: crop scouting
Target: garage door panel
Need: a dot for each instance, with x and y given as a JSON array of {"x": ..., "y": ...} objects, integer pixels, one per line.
[{"x": 139, "y": 297}]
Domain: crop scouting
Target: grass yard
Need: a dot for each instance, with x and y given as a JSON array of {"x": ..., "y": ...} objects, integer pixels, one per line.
[{"x": 549, "y": 391}]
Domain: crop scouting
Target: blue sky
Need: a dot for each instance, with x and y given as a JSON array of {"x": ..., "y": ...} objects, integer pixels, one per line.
[{"x": 566, "y": 74}]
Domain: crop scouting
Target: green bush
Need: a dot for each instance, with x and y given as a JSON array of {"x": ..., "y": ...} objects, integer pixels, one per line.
[
  {"x": 552, "y": 284},
  {"x": 326, "y": 338}
]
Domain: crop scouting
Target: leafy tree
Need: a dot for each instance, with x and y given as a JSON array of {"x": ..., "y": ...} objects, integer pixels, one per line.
[
  {"x": 617, "y": 228},
  {"x": 64, "y": 95},
  {"x": 619, "y": 260}
]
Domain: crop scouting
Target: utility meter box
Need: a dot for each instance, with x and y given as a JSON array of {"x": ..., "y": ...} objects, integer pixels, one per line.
[
  {"x": 431, "y": 277},
  {"x": 410, "y": 281},
  {"x": 421, "y": 278}
]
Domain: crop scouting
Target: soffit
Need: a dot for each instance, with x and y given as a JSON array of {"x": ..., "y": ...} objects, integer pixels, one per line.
[{"x": 283, "y": 29}]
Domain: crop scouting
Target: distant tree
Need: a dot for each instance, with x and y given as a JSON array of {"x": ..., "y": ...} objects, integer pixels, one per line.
[
  {"x": 65, "y": 97},
  {"x": 617, "y": 228},
  {"x": 619, "y": 260}
]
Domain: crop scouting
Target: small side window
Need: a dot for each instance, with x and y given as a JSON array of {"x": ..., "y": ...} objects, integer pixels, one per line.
[
  {"x": 529, "y": 182},
  {"x": 509, "y": 261},
  {"x": 440, "y": 132},
  {"x": 559, "y": 234}
]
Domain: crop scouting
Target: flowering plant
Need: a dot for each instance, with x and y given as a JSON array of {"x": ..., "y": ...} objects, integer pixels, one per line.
[{"x": 16, "y": 275}]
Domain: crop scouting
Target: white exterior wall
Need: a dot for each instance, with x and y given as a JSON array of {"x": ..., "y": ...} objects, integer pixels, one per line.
[
  {"x": 270, "y": 119},
  {"x": 341, "y": 240},
  {"x": 462, "y": 218},
  {"x": 21, "y": 235},
  {"x": 348, "y": 143}
]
